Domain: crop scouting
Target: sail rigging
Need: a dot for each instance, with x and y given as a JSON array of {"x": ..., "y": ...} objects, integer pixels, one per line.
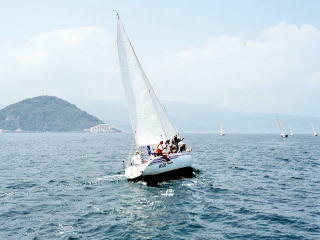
[
  {"x": 150, "y": 123},
  {"x": 282, "y": 132}
]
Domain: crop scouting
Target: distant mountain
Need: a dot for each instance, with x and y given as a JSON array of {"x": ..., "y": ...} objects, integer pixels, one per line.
[
  {"x": 204, "y": 118},
  {"x": 45, "y": 113},
  {"x": 112, "y": 112}
]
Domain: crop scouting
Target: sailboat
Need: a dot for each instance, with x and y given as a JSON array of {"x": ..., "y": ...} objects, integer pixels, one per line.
[
  {"x": 149, "y": 120},
  {"x": 314, "y": 131},
  {"x": 291, "y": 132},
  {"x": 221, "y": 132},
  {"x": 282, "y": 132}
]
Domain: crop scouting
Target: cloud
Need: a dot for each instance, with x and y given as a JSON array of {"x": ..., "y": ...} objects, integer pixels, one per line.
[
  {"x": 277, "y": 72},
  {"x": 71, "y": 63}
]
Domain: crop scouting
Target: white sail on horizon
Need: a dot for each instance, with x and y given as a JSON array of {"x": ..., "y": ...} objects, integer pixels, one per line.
[
  {"x": 291, "y": 132},
  {"x": 221, "y": 130},
  {"x": 282, "y": 132},
  {"x": 314, "y": 130},
  {"x": 150, "y": 123}
]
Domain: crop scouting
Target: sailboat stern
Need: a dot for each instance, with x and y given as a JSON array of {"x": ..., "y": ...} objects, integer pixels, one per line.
[
  {"x": 162, "y": 165},
  {"x": 174, "y": 165}
]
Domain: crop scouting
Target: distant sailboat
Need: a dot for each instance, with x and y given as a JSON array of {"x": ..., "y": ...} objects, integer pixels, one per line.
[
  {"x": 221, "y": 132},
  {"x": 291, "y": 132},
  {"x": 314, "y": 131},
  {"x": 282, "y": 132},
  {"x": 149, "y": 120}
]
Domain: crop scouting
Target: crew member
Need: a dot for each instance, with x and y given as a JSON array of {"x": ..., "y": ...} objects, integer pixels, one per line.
[
  {"x": 176, "y": 140},
  {"x": 159, "y": 149}
]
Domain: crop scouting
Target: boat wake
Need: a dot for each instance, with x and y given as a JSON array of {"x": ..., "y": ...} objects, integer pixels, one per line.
[{"x": 109, "y": 178}]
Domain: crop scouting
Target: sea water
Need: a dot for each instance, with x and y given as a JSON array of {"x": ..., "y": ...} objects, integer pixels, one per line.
[{"x": 71, "y": 186}]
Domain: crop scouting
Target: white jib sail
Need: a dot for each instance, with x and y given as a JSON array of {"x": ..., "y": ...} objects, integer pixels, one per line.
[{"x": 150, "y": 123}]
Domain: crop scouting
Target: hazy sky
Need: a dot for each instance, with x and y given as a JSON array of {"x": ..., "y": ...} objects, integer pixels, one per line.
[{"x": 255, "y": 56}]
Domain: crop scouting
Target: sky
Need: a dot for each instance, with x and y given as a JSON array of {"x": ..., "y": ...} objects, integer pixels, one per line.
[{"x": 251, "y": 56}]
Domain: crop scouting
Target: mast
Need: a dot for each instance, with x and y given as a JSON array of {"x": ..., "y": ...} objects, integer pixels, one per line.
[{"x": 282, "y": 133}]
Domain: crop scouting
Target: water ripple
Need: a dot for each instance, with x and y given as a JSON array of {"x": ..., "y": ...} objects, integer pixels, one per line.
[{"x": 71, "y": 186}]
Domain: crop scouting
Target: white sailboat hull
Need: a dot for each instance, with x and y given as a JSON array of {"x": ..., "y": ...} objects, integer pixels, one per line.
[{"x": 158, "y": 165}]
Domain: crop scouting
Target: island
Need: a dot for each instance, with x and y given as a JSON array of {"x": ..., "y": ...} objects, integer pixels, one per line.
[{"x": 46, "y": 114}]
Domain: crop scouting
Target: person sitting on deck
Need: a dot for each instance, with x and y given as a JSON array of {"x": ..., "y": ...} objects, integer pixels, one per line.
[
  {"x": 175, "y": 141},
  {"x": 136, "y": 159},
  {"x": 167, "y": 150},
  {"x": 173, "y": 148},
  {"x": 182, "y": 147},
  {"x": 159, "y": 149},
  {"x": 167, "y": 147}
]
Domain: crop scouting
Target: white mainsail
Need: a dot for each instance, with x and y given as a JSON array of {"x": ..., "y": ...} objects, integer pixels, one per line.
[{"x": 150, "y": 123}]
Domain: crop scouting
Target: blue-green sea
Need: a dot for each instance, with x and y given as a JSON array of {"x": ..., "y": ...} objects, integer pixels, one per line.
[{"x": 72, "y": 186}]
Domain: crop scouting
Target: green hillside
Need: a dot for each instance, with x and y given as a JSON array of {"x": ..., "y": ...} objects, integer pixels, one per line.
[{"x": 45, "y": 113}]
